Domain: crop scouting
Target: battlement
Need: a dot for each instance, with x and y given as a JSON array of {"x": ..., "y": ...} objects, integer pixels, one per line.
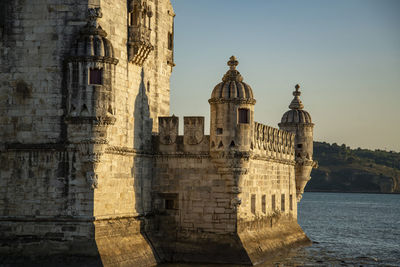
[
  {"x": 193, "y": 139},
  {"x": 272, "y": 142}
]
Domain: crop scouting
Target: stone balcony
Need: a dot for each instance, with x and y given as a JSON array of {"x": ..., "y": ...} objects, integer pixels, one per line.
[{"x": 139, "y": 45}]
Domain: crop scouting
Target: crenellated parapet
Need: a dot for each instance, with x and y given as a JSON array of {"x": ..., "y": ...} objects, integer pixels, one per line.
[
  {"x": 193, "y": 141},
  {"x": 273, "y": 143}
]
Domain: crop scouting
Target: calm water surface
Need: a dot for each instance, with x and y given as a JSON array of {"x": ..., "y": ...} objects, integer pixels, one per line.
[{"x": 347, "y": 230}]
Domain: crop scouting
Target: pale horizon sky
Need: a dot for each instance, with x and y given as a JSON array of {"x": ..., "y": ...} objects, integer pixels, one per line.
[{"x": 344, "y": 54}]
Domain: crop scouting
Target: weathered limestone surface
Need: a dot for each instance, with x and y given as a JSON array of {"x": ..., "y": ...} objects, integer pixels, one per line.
[
  {"x": 64, "y": 173},
  {"x": 92, "y": 167}
]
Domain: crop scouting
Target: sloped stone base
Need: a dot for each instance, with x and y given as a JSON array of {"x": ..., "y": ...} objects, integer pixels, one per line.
[
  {"x": 202, "y": 247},
  {"x": 121, "y": 243},
  {"x": 263, "y": 238}
]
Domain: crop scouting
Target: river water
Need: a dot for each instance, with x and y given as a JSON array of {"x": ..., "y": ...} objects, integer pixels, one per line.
[{"x": 346, "y": 230}]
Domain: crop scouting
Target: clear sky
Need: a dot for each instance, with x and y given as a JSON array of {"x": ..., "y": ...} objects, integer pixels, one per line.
[{"x": 345, "y": 54}]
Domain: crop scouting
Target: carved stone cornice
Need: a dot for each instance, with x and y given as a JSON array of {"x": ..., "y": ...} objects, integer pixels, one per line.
[
  {"x": 37, "y": 147},
  {"x": 127, "y": 151},
  {"x": 59, "y": 218},
  {"x": 100, "y": 120},
  {"x": 183, "y": 155},
  {"x": 98, "y": 59},
  {"x": 306, "y": 162},
  {"x": 233, "y": 100},
  {"x": 119, "y": 150},
  {"x": 299, "y": 125},
  {"x": 273, "y": 159}
]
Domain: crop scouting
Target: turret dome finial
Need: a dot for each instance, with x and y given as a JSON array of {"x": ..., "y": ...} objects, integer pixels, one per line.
[
  {"x": 232, "y": 63},
  {"x": 232, "y": 86},
  {"x": 296, "y": 102}
]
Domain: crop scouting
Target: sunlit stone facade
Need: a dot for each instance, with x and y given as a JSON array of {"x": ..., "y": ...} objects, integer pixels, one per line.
[{"x": 91, "y": 164}]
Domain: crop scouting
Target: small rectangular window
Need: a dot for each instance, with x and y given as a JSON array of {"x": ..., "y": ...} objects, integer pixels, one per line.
[
  {"x": 243, "y": 115},
  {"x": 299, "y": 145},
  {"x": 170, "y": 41},
  {"x": 273, "y": 203},
  {"x": 253, "y": 204},
  {"x": 263, "y": 204},
  {"x": 4, "y": 13},
  {"x": 283, "y": 202},
  {"x": 219, "y": 131},
  {"x": 169, "y": 204},
  {"x": 171, "y": 201},
  {"x": 132, "y": 19},
  {"x": 95, "y": 76},
  {"x": 291, "y": 202}
]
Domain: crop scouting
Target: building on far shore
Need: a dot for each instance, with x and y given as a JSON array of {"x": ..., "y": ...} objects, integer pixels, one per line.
[{"x": 92, "y": 166}]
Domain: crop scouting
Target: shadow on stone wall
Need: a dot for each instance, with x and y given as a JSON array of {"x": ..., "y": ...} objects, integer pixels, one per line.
[
  {"x": 143, "y": 123},
  {"x": 142, "y": 170}
]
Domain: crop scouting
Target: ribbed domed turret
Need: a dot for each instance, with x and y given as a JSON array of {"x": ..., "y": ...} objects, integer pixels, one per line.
[
  {"x": 296, "y": 114},
  {"x": 92, "y": 43},
  {"x": 232, "y": 85},
  {"x": 298, "y": 121}
]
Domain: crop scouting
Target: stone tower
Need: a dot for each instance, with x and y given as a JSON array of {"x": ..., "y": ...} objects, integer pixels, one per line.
[
  {"x": 232, "y": 112},
  {"x": 298, "y": 121},
  {"x": 82, "y": 84}
]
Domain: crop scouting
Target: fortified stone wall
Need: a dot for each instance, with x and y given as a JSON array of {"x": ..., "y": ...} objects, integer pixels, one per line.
[
  {"x": 186, "y": 184},
  {"x": 195, "y": 214},
  {"x": 200, "y": 207},
  {"x": 267, "y": 215},
  {"x": 33, "y": 170},
  {"x": 84, "y": 90},
  {"x": 36, "y": 37},
  {"x": 270, "y": 186},
  {"x": 62, "y": 193}
]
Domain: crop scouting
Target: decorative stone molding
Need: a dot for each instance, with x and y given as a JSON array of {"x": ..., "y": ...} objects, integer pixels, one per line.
[
  {"x": 168, "y": 129},
  {"x": 99, "y": 121},
  {"x": 236, "y": 201},
  {"x": 193, "y": 130},
  {"x": 94, "y": 13},
  {"x": 91, "y": 150},
  {"x": 234, "y": 100},
  {"x": 35, "y": 147},
  {"x": 183, "y": 155},
  {"x": 95, "y": 59},
  {"x": 92, "y": 179},
  {"x": 306, "y": 162},
  {"x": 273, "y": 159}
]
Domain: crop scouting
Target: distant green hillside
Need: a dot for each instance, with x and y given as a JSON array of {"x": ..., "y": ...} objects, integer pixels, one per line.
[{"x": 342, "y": 169}]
